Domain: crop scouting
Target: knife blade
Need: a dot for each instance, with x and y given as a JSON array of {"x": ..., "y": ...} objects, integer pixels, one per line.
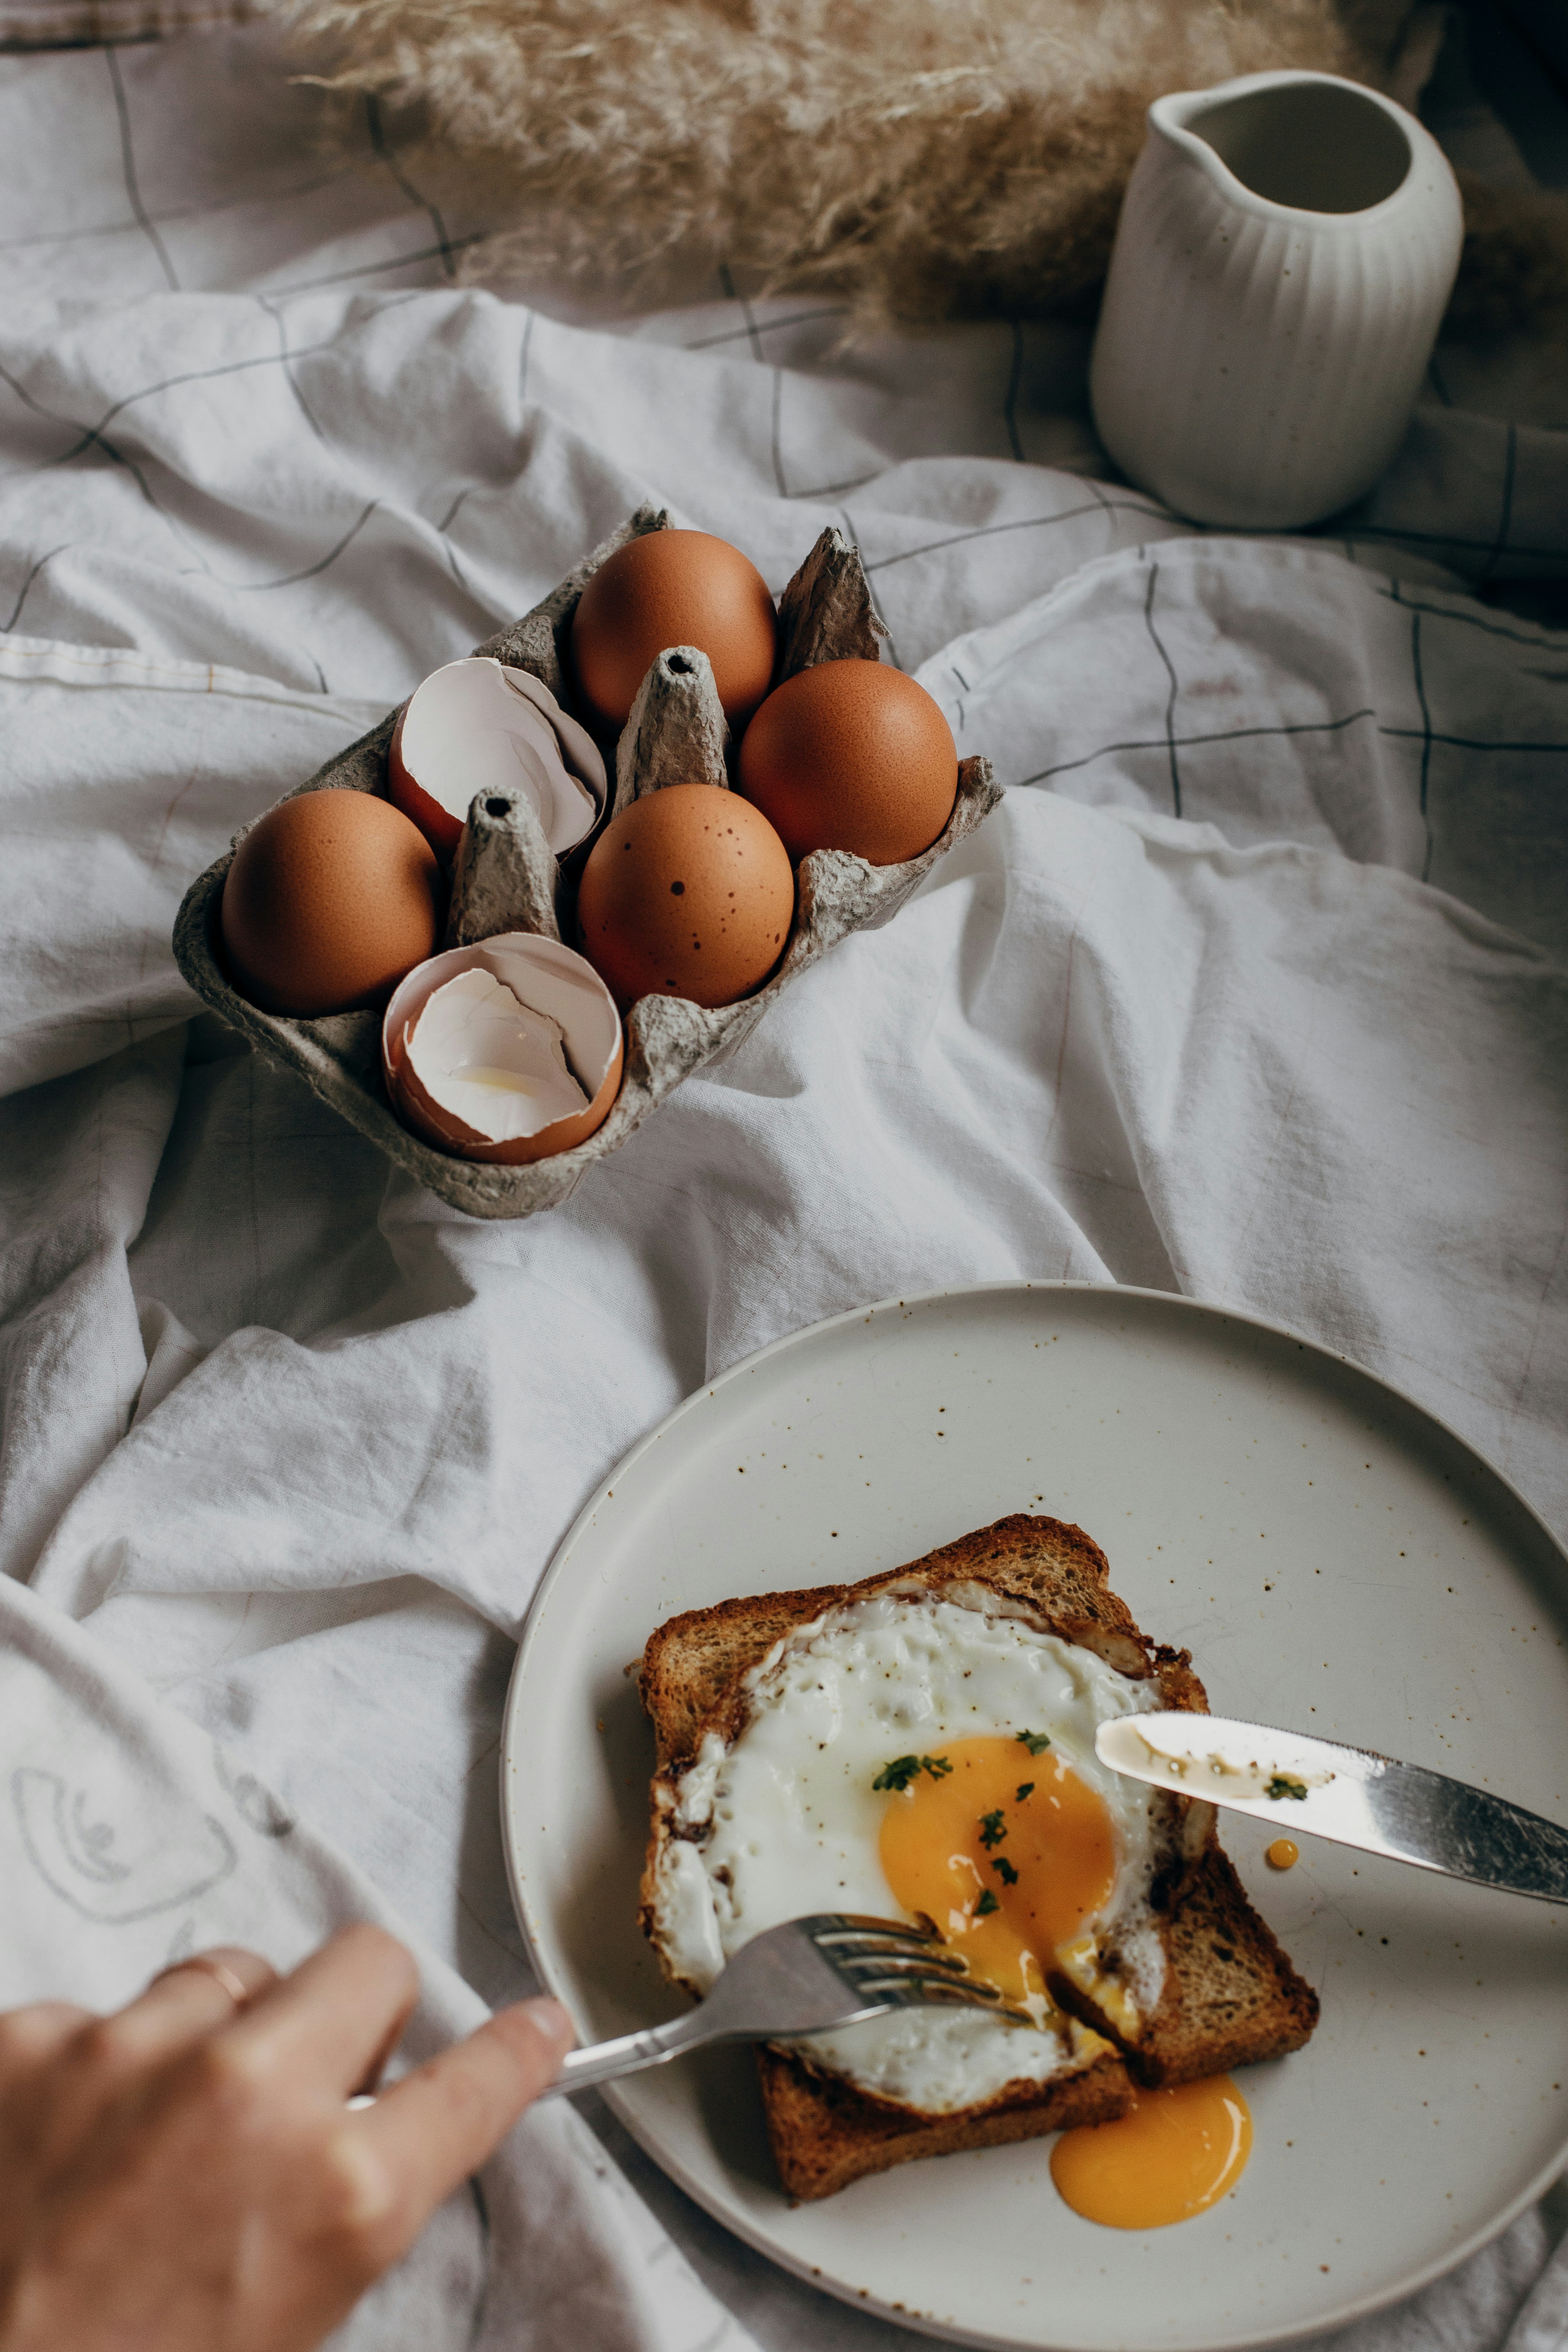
[{"x": 1353, "y": 1795}]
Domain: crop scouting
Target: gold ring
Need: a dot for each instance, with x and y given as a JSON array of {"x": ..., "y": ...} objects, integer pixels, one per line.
[{"x": 219, "y": 1971}]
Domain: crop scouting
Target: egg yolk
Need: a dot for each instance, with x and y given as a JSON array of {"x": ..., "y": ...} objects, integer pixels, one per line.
[
  {"x": 1008, "y": 1853},
  {"x": 1174, "y": 2154}
]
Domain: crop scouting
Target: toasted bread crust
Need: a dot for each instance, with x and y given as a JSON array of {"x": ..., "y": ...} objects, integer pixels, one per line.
[
  {"x": 1230, "y": 1996},
  {"x": 693, "y": 1664},
  {"x": 825, "y": 2132}
]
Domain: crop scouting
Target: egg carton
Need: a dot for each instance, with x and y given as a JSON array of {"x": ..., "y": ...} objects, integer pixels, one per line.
[{"x": 505, "y": 878}]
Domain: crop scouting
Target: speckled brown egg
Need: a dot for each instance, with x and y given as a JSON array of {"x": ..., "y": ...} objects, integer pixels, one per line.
[
  {"x": 331, "y": 897},
  {"x": 673, "y": 588},
  {"x": 686, "y": 893},
  {"x": 851, "y": 755}
]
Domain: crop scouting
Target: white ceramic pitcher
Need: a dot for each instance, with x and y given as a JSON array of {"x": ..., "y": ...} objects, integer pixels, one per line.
[{"x": 1286, "y": 249}]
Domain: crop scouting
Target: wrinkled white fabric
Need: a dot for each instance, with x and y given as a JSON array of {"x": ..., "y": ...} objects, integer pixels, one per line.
[{"x": 1252, "y": 989}]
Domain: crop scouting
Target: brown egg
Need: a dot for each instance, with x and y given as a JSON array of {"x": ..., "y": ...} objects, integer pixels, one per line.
[
  {"x": 673, "y": 588},
  {"x": 687, "y": 893},
  {"x": 851, "y": 755},
  {"x": 331, "y": 897}
]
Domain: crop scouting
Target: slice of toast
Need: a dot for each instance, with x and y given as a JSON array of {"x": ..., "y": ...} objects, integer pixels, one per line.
[{"x": 1230, "y": 1997}]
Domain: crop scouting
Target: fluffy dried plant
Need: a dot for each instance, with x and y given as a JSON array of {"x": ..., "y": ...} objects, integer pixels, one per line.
[{"x": 912, "y": 158}]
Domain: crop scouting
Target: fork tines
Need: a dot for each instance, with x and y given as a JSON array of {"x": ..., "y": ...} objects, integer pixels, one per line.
[{"x": 904, "y": 1964}]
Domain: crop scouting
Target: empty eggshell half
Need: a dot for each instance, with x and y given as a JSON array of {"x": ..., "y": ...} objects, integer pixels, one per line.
[
  {"x": 479, "y": 726},
  {"x": 510, "y": 1051}
]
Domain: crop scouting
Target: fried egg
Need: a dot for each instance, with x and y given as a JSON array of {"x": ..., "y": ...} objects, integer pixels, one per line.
[{"x": 927, "y": 1757}]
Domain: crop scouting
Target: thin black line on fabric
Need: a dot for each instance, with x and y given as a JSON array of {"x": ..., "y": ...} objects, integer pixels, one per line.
[
  {"x": 1541, "y": 642},
  {"x": 91, "y": 432},
  {"x": 127, "y": 165},
  {"x": 27, "y": 582},
  {"x": 762, "y": 327},
  {"x": 1438, "y": 386},
  {"x": 1186, "y": 742},
  {"x": 728, "y": 283},
  {"x": 445, "y": 525},
  {"x": 1171, "y": 698},
  {"x": 238, "y": 587},
  {"x": 1010, "y": 400},
  {"x": 384, "y": 149},
  {"x": 853, "y": 538},
  {"x": 490, "y": 611},
  {"x": 1026, "y": 522},
  {"x": 288, "y": 357},
  {"x": 373, "y": 269},
  {"x": 835, "y": 489},
  {"x": 312, "y": 570},
  {"x": 169, "y": 213},
  {"x": 1426, "y": 737},
  {"x": 1468, "y": 743},
  {"x": 116, "y": 456},
  {"x": 1505, "y": 515},
  {"x": 1488, "y": 547}
]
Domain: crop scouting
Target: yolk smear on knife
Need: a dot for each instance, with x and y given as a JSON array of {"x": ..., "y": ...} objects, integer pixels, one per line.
[
  {"x": 1174, "y": 2154},
  {"x": 1007, "y": 1852}
]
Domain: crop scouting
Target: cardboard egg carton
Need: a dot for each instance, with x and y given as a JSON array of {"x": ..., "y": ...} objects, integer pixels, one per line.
[{"x": 505, "y": 878}]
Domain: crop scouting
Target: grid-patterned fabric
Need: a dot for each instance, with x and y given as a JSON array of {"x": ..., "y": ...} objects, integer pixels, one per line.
[{"x": 59, "y": 23}]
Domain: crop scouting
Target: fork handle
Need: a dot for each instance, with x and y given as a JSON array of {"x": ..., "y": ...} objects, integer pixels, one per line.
[{"x": 628, "y": 2053}]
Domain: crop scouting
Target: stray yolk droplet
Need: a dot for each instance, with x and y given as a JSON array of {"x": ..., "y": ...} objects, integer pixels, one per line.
[
  {"x": 1283, "y": 1854},
  {"x": 1006, "y": 1878},
  {"x": 1174, "y": 2154}
]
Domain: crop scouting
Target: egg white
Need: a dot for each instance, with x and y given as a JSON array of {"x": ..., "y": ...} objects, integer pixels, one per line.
[{"x": 783, "y": 1820}]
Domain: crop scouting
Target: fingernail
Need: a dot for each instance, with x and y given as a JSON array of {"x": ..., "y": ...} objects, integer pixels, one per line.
[{"x": 548, "y": 2018}]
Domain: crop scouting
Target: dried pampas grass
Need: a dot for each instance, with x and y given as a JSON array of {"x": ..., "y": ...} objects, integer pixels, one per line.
[{"x": 913, "y": 157}]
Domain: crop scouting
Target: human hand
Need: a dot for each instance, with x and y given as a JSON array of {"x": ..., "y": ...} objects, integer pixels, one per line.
[{"x": 186, "y": 2175}]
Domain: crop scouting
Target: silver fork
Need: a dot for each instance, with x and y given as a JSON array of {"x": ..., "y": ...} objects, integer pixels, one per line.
[{"x": 808, "y": 1976}]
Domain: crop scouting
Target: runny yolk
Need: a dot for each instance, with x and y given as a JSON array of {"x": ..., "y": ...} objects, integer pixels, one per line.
[
  {"x": 1174, "y": 2155},
  {"x": 1023, "y": 1830}
]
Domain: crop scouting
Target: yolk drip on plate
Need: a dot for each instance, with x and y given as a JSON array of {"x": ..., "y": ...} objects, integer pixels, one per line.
[
  {"x": 1174, "y": 2155},
  {"x": 1007, "y": 1852}
]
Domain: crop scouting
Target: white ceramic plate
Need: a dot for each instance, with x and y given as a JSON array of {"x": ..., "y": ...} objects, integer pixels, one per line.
[{"x": 1334, "y": 1558}]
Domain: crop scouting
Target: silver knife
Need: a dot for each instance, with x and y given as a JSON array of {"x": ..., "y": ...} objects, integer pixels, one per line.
[{"x": 1351, "y": 1795}]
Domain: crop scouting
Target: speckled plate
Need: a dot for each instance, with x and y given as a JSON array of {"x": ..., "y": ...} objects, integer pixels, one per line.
[{"x": 1335, "y": 1560}]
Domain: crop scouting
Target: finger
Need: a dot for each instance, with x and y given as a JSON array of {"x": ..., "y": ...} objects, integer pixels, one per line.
[
  {"x": 193, "y": 1996},
  {"x": 181, "y": 2006},
  {"x": 30, "y": 2036},
  {"x": 439, "y": 2122},
  {"x": 339, "y": 2011}
]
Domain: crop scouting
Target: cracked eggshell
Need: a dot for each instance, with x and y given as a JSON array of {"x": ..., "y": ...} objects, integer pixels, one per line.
[
  {"x": 548, "y": 979},
  {"x": 480, "y": 726}
]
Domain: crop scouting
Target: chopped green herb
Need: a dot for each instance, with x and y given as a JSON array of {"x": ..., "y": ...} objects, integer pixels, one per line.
[
  {"x": 993, "y": 1828},
  {"x": 1282, "y": 1786},
  {"x": 903, "y": 1769},
  {"x": 1036, "y": 1742},
  {"x": 1025, "y": 1788},
  {"x": 986, "y": 1904},
  {"x": 1004, "y": 1870}
]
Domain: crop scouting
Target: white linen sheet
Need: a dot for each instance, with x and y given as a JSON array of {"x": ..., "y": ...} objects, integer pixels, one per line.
[{"x": 1252, "y": 989}]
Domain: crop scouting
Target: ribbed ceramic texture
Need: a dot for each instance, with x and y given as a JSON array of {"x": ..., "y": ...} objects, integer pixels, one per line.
[
  {"x": 1256, "y": 365},
  {"x": 825, "y": 612}
]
